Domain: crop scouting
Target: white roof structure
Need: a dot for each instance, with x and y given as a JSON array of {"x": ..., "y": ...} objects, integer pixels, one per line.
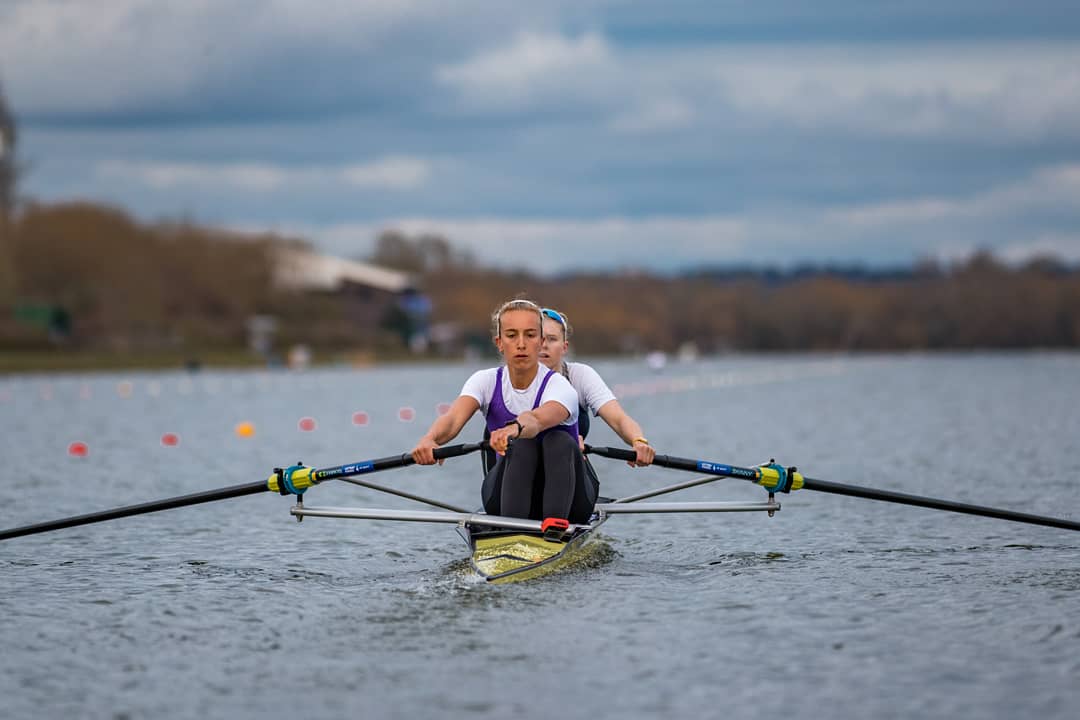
[{"x": 306, "y": 270}]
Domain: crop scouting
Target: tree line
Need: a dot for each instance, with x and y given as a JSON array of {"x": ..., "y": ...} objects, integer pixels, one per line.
[
  {"x": 130, "y": 286},
  {"x": 978, "y": 303}
]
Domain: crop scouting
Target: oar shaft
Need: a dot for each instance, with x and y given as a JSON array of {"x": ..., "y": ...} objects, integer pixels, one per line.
[
  {"x": 935, "y": 504},
  {"x": 339, "y": 471},
  {"x": 139, "y": 509},
  {"x": 722, "y": 470},
  {"x": 678, "y": 463},
  {"x": 389, "y": 462}
]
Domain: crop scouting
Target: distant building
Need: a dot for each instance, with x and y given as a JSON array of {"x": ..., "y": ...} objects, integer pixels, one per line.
[
  {"x": 307, "y": 270},
  {"x": 376, "y": 298}
]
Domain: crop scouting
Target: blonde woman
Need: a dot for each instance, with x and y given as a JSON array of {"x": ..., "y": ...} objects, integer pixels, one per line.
[
  {"x": 531, "y": 413},
  {"x": 593, "y": 392}
]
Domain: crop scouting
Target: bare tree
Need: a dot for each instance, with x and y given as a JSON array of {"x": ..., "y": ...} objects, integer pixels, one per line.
[
  {"x": 7, "y": 202},
  {"x": 7, "y": 159}
]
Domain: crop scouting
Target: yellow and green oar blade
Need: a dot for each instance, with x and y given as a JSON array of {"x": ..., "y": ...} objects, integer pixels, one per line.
[
  {"x": 301, "y": 478},
  {"x": 775, "y": 478}
]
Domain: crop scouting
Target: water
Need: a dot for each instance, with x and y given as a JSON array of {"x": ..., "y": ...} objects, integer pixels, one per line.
[{"x": 837, "y": 607}]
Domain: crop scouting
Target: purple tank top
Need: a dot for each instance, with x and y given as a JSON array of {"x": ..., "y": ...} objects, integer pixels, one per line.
[{"x": 498, "y": 414}]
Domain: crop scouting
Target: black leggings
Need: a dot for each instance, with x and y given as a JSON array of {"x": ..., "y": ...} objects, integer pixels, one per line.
[{"x": 540, "y": 478}]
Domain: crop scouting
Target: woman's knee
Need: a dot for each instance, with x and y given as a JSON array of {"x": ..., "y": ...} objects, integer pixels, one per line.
[{"x": 559, "y": 441}]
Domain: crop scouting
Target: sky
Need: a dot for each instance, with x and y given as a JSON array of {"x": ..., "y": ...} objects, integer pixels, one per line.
[{"x": 586, "y": 135}]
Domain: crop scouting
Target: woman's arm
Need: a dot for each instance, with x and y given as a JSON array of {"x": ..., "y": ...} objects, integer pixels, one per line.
[
  {"x": 444, "y": 429},
  {"x": 628, "y": 429},
  {"x": 533, "y": 422}
]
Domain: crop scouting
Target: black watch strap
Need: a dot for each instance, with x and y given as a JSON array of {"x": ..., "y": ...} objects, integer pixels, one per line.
[{"x": 515, "y": 422}]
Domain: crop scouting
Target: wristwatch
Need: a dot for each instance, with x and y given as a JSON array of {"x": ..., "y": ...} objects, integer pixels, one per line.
[{"x": 515, "y": 422}]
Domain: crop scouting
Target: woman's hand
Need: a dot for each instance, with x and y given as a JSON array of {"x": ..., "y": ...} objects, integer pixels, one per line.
[
  {"x": 500, "y": 439},
  {"x": 424, "y": 452},
  {"x": 645, "y": 453}
]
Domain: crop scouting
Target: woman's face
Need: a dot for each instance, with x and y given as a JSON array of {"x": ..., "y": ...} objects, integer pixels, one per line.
[
  {"x": 554, "y": 344},
  {"x": 519, "y": 338}
]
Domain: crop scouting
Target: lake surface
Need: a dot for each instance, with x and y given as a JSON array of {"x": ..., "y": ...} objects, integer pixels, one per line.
[{"x": 836, "y": 607}]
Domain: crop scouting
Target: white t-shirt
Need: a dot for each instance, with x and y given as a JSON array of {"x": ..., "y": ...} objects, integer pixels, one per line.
[
  {"x": 591, "y": 388},
  {"x": 481, "y": 387}
]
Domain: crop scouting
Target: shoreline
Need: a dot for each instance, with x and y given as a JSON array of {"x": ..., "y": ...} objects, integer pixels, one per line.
[{"x": 22, "y": 363}]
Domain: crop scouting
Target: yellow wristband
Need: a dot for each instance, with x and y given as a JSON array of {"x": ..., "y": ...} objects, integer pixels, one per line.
[{"x": 640, "y": 440}]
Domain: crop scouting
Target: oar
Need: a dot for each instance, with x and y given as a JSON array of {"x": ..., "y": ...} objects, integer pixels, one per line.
[
  {"x": 296, "y": 480},
  {"x": 778, "y": 479}
]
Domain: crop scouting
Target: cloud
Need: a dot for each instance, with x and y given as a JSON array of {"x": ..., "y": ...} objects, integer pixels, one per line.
[
  {"x": 656, "y": 114},
  {"x": 533, "y": 68},
  {"x": 549, "y": 246},
  {"x": 1006, "y": 91},
  {"x": 1054, "y": 189},
  {"x": 394, "y": 173},
  {"x": 1060, "y": 245},
  {"x": 996, "y": 91},
  {"x": 389, "y": 173},
  {"x": 896, "y": 232},
  {"x": 68, "y": 57},
  {"x": 278, "y": 58}
]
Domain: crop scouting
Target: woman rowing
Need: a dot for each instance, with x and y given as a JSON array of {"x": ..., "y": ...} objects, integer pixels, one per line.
[
  {"x": 593, "y": 392},
  {"x": 534, "y": 407}
]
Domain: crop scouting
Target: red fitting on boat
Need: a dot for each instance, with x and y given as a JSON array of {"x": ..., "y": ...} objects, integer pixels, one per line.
[{"x": 553, "y": 528}]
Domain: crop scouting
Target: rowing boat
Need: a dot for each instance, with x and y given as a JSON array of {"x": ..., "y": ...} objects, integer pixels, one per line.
[
  {"x": 506, "y": 549},
  {"x": 505, "y": 555}
]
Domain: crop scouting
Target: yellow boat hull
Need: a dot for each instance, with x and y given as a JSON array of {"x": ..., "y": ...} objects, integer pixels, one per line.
[{"x": 501, "y": 556}]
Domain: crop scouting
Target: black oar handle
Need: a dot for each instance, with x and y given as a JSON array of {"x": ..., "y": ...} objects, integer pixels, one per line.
[
  {"x": 450, "y": 451},
  {"x": 610, "y": 452},
  {"x": 629, "y": 455}
]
